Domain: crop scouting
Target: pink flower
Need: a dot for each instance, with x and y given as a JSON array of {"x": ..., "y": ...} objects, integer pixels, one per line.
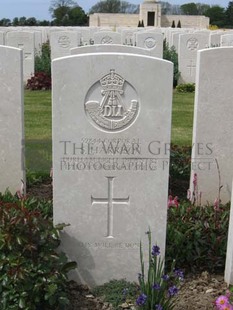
[
  {"x": 172, "y": 202},
  {"x": 226, "y": 307},
  {"x": 221, "y": 302},
  {"x": 195, "y": 180},
  {"x": 216, "y": 204}
]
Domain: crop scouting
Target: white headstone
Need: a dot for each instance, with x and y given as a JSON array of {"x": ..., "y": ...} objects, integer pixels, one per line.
[
  {"x": 189, "y": 44},
  {"x": 151, "y": 41},
  {"x": 85, "y": 36},
  {"x": 215, "y": 39},
  {"x": 11, "y": 119},
  {"x": 128, "y": 37},
  {"x": 110, "y": 159},
  {"x": 62, "y": 41},
  {"x": 229, "y": 255},
  {"x": 25, "y": 41},
  {"x": 107, "y": 37},
  {"x": 2, "y": 38},
  {"x": 110, "y": 48},
  {"x": 226, "y": 40},
  {"x": 212, "y": 127}
]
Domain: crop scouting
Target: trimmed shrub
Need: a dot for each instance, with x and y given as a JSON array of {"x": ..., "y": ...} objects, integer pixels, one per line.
[
  {"x": 171, "y": 55},
  {"x": 186, "y": 88},
  {"x": 43, "y": 59},
  {"x": 40, "y": 81},
  {"x": 42, "y": 78}
]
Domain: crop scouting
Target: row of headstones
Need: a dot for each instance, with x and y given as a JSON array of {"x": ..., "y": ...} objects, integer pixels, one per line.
[
  {"x": 186, "y": 42},
  {"x": 111, "y": 130}
]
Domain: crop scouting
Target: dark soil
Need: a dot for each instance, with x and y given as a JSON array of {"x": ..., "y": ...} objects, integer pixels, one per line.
[
  {"x": 41, "y": 190},
  {"x": 197, "y": 291}
]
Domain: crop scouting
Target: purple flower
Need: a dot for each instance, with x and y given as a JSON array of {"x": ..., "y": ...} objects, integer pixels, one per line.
[
  {"x": 172, "y": 291},
  {"x": 156, "y": 287},
  {"x": 165, "y": 277},
  {"x": 158, "y": 307},
  {"x": 155, "y": 250},
  {"x": 141, "y": 300},
  {"x": 179, "y": 274}
]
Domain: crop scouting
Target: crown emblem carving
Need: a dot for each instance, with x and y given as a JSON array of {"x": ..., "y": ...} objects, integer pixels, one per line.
[
  {"x": 112, "y": 82},
  {"x": 112, "y": 113}
]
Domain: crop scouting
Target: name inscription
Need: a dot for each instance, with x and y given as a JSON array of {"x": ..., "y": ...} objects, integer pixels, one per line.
[{"x": 110, "y": 245}]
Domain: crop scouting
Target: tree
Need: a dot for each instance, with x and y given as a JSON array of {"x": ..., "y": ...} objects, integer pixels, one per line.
[
  {"x": 229, "y": 14},
  {"x": 201, "y": 8},
  {"x": 31, "y": 21},
  {"x": 22, "y": 21},
  {"x": 55, "y": 4},
  {"x": 67, "y": 13},
  {"x": 15, "y": 22},
  {"x": 5, "y": 22},
  {"x": 114, "y": 6},
  {"x": 216, "y": 14},
  {"x": 189, "y": 9},
  {"x": 165, "y": 7},
  {"x": 77, "y": 16}
]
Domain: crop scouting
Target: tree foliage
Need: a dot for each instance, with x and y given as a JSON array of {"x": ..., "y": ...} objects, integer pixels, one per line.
[
  {"x": 114, "y": 6},
  {"x": 216, "y": 14},
  {"x": 189, "y": 9},
  {"x": 67, "y": 13},
  {"x": 229, "y": 14},
  {"x": 194, "y": 8}
]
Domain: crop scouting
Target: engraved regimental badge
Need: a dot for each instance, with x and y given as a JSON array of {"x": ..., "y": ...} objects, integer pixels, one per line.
[{"x": 117, "y": 107}]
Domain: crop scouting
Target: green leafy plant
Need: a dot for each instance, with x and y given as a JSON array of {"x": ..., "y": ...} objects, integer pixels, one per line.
[
  {"x": 158, "y": 288},
  {"x": 32, "y": 274},
  {"x": 179, "y": 171},
  {"x": 34, "y": 178},
  {"x": 196, "y": 236},
  {"x": 117, "y": 292},
  {"x": 44, "y": 207},
  {"x": 169, "y": 53},
  {"x": 186, "y": 88},
  {"x": 42, "y": 77},
  {"x": 43, "y": 59}
]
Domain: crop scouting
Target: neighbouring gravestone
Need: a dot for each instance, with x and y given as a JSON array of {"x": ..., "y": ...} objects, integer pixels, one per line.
[
  {"x": 111, "y": 130},
  {"x": 25, "y": 41},
  {"x": 110, "y": 48},
  {"x": 62, "y": 41},
  {"x": 128, "y": 36},
  {"x": 229, "y": 255},
  {"x": 107, "y": 37},
  {"x": 85, "y": 36},
  {"x": 2, "y": 38},
  {"x": 11, "y": 119},
  {"x": 151, "y": 41},
  {"x": 212, "y": 127},
  {"x": 189, "y": 44},
  {"x": 226, "y": 40}
]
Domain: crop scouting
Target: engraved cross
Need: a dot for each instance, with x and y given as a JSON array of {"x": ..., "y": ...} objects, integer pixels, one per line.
[
  {"x": 192, "y": 67},
  {"x": 110, "y": 201}
]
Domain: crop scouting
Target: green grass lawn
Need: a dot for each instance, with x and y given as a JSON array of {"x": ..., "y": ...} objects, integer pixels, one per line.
[
  {"x": 38, "y": 131},
  {"x": 182, "y": 118},
  {"x": 38, "y": 126}
]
